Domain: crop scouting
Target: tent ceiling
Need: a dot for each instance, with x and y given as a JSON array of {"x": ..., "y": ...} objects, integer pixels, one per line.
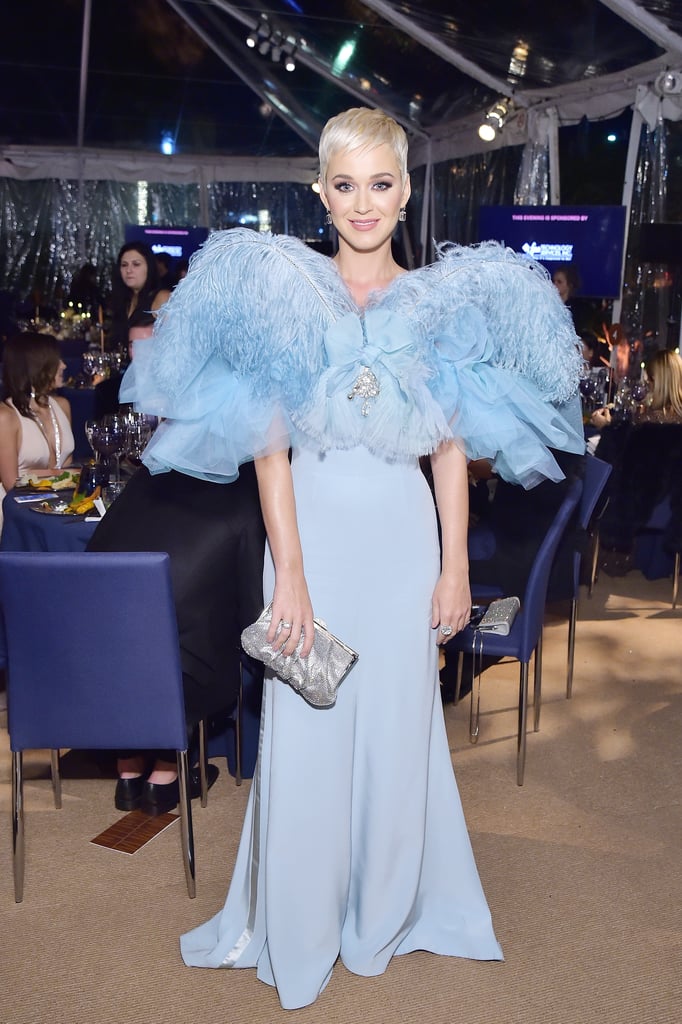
[{"x": 183, "y": 66}]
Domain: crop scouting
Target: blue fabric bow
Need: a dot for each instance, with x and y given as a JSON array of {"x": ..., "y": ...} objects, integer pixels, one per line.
[{"x": 383, "y": 342}]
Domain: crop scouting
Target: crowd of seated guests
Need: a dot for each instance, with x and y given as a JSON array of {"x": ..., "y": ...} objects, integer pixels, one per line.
[{"x": 645, "y": 451}]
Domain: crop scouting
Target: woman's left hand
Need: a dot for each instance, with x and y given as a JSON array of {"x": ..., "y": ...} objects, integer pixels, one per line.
[{"x": 451, "y": 605}]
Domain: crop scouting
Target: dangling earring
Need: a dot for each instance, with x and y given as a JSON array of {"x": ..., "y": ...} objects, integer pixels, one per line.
[
  {"x": 328, "y": 218},
  {"x": 403, "y": 213}
]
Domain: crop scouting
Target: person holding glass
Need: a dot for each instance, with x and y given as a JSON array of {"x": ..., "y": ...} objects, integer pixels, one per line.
[
  {"x": 354, "y": 843},
  {"x": 35, "y": 423}
]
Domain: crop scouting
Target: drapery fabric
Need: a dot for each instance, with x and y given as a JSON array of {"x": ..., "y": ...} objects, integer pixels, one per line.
[{"x": 40, "y": 218}]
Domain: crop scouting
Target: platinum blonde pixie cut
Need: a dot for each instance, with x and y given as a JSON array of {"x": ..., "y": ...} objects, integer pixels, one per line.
[{"x": 362, "y": 128}]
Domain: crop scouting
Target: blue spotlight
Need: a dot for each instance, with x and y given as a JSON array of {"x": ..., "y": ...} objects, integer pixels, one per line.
[{"x": 167, "y": 144}]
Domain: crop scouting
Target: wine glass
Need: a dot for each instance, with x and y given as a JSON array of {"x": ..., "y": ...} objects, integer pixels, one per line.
[
  {"x": 89, "y": 427},
  {"x": 90, "y": 366},
  {"x": 138, "y": 437},
  {"x": 108, "y": 438}
]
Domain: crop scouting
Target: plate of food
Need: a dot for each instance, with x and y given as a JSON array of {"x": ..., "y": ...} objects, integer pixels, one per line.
[
  {"x": 64, "y": 481},
  {"x": 78, "y": 506}
]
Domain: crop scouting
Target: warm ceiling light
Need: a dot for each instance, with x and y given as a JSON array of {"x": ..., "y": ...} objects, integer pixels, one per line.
[{"x": 495, "y": 119}]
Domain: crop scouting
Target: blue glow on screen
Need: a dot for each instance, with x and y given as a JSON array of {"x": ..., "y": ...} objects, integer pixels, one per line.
[{"x": 589, "y": 237}]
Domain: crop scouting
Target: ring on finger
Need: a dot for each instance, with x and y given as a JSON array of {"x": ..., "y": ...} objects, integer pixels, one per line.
[
  {"x": 446, "y": 630},
  {"x": 284, "y": 625}
]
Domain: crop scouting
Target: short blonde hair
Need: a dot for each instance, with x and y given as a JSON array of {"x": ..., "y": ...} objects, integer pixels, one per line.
[{"x": 362, "y": 128}]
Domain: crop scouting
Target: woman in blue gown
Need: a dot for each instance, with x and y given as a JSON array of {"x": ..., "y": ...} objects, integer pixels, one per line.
[{"x": 354, "y": 843}]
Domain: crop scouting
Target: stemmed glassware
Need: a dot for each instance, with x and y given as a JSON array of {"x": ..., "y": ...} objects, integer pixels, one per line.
[
  {"x": 139, "y": 432},
  {"x": 89, "y": 428},
  {"x": 108, "y": 438}
]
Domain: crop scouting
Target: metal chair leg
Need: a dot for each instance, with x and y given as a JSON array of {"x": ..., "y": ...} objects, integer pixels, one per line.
[
  {"x": 56, "y": 778},
  {"x": 573, "y": 618},
  {"x": 474, "y": 708},
  {"x": 203, "y": 759},
  {"x": 537, "y": 684},
  {"x": 18, "y": 825},
  {"x": 676, "y": 578},
  {"x": 238, "y": 732},
  {"x": 523, "y": 714},
  {"x": 458, "y": 680},
  {"x": 186, "y": 830},
  {"x": 594, "y": 570}
]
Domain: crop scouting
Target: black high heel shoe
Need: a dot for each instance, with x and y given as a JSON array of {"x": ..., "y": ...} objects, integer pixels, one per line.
[
  {"x": 129, "y": 793},
  {"x": 159, "y": 798}
]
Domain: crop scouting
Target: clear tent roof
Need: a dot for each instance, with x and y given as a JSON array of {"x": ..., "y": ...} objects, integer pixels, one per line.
[{"x": 183, "y": 67}]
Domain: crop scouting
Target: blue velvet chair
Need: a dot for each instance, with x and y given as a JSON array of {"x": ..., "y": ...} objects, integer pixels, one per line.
[
  {"x": 596, "y": 475},
  {"x": 123, "y": 691},
  {"x": 525, "y": 636}
]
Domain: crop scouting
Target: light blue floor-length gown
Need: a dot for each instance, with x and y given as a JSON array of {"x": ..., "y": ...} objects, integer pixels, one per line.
[{"x": 354, "y": 842}]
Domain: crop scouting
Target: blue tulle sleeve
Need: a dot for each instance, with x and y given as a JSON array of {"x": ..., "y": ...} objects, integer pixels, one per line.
[
  {"x": 506, "y": 362},
  {"x": 234, "y": 350}
]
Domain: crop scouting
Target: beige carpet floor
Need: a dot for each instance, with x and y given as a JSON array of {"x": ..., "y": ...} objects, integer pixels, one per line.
[{"x": 581, "y": 866}]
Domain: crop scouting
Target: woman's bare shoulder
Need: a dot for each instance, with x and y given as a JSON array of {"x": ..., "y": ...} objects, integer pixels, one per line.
[{"x": 7, "y": 414}]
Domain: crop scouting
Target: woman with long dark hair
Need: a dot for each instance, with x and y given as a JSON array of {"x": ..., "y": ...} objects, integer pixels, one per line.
[
  {"x": 35, "y": 424},
  {"x": 136, "y": 294}
]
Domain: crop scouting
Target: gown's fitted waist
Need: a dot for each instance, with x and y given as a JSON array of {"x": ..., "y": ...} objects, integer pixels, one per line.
[{"x": 350, "y": 462}]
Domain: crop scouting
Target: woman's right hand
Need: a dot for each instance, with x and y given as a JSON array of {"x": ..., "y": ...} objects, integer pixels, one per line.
[
  {"x": 292, "y": 614},
  {"x": 601, "y": 418}
]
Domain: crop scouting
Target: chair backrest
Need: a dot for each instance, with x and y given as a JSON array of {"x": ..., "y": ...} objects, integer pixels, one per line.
[
  {"x": 596, "y": 474},
  {"x": 533, "y": 605},
  {"x": 92, "y": 651}
]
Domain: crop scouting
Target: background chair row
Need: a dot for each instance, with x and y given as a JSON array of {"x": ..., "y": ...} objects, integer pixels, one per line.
[{"x": 525, "y": 638}]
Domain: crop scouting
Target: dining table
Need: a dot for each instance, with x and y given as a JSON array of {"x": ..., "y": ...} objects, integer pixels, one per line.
[{"x": 25, "y": 528}]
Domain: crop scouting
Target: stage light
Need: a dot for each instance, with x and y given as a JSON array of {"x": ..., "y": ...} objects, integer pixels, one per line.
[
  {"x": 289, "y": 49},
  {"x": 167, "y": 144},
  {"x": 259, "y": 36},
  {"x": 495, "y": 119},
  {"x": 276, "y": 44}
]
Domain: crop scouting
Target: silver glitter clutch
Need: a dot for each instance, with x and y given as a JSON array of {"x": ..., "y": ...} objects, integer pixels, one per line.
[
  {"x": 317, "y": 677},
  {"x": 499, "y": 616}
]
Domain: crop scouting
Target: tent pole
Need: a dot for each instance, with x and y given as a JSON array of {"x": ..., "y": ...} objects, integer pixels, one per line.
[
  {"x": 85, "y": 52},
  {"x": 628, "y": 186},
  {"x": 554, "y": 165},
  {"x": 426, "y": 209}
]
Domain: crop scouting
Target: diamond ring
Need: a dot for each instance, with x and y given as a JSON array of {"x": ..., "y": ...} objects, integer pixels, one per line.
[
  {"x": 446, "y": 630},
  {"x": 285, "y": 625}
]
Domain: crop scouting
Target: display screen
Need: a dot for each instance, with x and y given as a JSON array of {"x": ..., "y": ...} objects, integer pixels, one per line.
[
  {"x": 589, "y": 238},
  {"x": 179, "y": 243}
]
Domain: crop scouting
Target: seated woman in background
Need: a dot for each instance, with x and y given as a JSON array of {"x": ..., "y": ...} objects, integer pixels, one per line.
[
  {"x": 664, "y": 400},
  {"x": 35, "y": 425}
]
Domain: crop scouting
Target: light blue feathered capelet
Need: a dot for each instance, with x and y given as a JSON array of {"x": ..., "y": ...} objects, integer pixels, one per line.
[{"x": 262, "y": 345}]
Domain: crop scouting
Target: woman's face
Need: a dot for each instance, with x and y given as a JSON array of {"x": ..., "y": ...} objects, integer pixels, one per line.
[
  {"x": 133, "y": 267},
  {"x": 364, "y": 193},
  {"x": 562, "y": 285},
  {"x": 58, "y": 381}
]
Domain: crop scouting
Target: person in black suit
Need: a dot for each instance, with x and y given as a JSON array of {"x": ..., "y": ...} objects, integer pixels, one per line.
[{"x": 215, "y": 537}]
